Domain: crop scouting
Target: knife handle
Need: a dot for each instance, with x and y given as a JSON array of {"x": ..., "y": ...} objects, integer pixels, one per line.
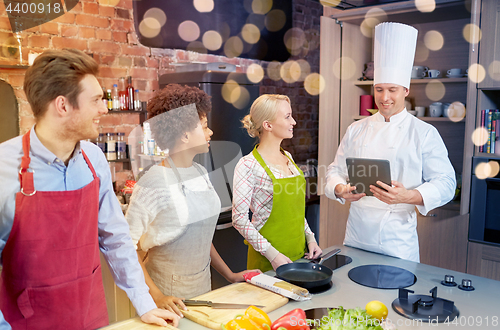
[{"x": 197, "y": 302}]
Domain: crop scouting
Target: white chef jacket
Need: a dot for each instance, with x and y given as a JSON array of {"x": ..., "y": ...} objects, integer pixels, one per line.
[{"x": 418, "y": 159}]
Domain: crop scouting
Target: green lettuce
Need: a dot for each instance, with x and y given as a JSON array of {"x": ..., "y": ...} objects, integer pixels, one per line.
[{"x": 346, "y": 319}]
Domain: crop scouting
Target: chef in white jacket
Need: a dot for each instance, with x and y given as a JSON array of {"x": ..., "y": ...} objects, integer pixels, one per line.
[{"x": 421, "y": 172}]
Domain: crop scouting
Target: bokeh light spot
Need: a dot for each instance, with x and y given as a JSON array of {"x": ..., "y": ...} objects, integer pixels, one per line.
[
  {"x": 286, "y": 73},
  {"x": 435, "y": 90},
  {"x": 212, "y": 40},
  {"x": 368, "y": 25},
  {"x": 294, "y": 39},
  {"x": 262, "y": 6},
  {"x": 476, "y": 73},
  {"x": 330, "y": 3},
  {"x": 421, "y": 54},
  {"x": 472, "y": 33},
  {"x": 425, "y": 6},
  {"x": 204, "y": 6},
  {"x": 456, "y": 111},
  {"x": 156, "y": 13},
  {"x": 255, "y": 73},
  {"x": 377, "y": 13},
  {"x": 242, "y": 101},
  {"x": 486, "y": 170},
  {"x": 231, "y": 91},
  {"x": 275, "y": 20},
  {"x": 233, "y": 47},
  {"x": 300, "y": 70},
  {"x": 189, "y": 31},
  {"x": 250, "y": 33},
  {"x": 348, "y": 68},
  {"x": 480, "y": 136},
  {"x": 274, "y": 70},
  {"x": 314, "y": 84},
  {"x": 494, "y": 70},
  {"x": 149, "y": 27},
  {"x": 434, "y": 40}
]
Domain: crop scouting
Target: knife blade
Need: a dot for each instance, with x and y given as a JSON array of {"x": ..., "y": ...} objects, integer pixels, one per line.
[{"x": 208, "y": 303}]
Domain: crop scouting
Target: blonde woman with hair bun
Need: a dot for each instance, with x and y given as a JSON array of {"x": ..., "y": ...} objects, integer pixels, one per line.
[{"x": 269, "y": 183}]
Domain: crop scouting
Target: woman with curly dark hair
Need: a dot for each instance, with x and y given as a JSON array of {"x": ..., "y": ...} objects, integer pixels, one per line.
[{"x": 174, "y": 208}]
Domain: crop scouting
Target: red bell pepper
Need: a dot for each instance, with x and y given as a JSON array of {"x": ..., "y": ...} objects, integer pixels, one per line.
[{"x": 293, "y": 320}]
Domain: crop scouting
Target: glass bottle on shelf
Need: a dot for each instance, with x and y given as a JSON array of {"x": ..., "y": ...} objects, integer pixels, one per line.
[
  {"x": 121, "y": 152},
  {"x": 110, "y": 100},
  {"x": 130, "y": 94},
  {"x": 101, "y": 142},
  {"x": 115, "y": 97},
  {"x": 110, "y": 146},
  {"x": 137, "y": 102},
  {"x": 122, "y": 93}
]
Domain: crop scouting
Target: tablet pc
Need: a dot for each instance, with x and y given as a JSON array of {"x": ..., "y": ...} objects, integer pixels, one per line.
[{"x": 364, "y": 172}]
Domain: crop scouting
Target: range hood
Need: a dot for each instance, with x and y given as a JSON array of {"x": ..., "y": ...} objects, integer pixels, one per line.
[{"x": 352, "y": 4}]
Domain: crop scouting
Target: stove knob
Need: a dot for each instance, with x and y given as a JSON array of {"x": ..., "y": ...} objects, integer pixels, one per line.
[
  {"x": 466, "y": 285},
  {"x": 449, "y": 280}
]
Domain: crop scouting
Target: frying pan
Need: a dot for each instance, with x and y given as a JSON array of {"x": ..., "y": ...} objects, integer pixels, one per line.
[{"x": 307, "y": 275}]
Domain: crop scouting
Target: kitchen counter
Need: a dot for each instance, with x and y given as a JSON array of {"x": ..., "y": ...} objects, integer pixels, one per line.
[{"x": 478, "y": 309}]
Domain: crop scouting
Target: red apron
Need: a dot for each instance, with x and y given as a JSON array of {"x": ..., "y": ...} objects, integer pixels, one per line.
[{"x": 51, "y": 277}]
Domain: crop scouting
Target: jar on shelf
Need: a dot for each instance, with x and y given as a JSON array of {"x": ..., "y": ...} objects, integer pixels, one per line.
[
  {"x": 121, "y": 146},
  {"x": 101, "y": 142},
  {"x": 110, "y": 146}
]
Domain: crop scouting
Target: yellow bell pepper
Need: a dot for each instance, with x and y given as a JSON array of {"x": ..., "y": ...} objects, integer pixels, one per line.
[
  {"x": 242, "y": 323},
  {"x": 258, "y": 316}
]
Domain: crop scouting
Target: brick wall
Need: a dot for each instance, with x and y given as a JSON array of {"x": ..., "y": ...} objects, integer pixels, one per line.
[{"x": 105, "y": 28}]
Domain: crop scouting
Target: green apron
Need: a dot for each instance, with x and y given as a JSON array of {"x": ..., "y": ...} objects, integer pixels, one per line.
[{"x": 284, "y": 228}]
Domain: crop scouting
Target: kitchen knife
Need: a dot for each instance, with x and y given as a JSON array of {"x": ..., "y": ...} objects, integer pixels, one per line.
[{"x": 188, "y": 302}]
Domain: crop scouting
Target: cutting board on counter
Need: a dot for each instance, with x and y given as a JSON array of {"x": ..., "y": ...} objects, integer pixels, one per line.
[
  {"x": 136, "y": 324},
  {"x": 238, "y": 293}
]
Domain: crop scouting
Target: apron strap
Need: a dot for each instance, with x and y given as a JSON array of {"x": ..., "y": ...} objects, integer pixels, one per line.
[
  {"x": 89, "y": 164},
  {"x": 262, "y": 163},
  {"x": 180, "y": 182},
  {"x": 26, "y": 177}
]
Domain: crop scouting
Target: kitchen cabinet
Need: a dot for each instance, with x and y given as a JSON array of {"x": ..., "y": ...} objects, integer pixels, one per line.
[
  {"x": 489, "y": 47},
  {"x": 484, "y": 260},
  {"x": 346, "y": 45},
  {"x": 483, "y": 257}
]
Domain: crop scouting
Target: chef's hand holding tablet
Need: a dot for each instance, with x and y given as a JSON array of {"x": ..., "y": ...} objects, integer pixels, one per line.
[
  {"x": 396, "y": 194},
  {"x": 345, "y": 191}
]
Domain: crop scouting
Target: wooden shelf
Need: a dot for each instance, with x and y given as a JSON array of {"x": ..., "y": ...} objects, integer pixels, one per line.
[
  {"x": 419, "y": 81},
  {"x": 487, "y": 155},
  {"x": 426, "y": 119}
]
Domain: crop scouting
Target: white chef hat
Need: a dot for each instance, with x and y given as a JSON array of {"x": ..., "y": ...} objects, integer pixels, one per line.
[{"x": 394, "y": 52}]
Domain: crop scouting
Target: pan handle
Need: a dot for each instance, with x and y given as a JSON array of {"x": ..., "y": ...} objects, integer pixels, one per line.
[{"x": 328, "y": 256}]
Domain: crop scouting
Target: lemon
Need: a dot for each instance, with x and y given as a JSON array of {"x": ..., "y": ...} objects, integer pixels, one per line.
[{"x": 377, "y": 309}]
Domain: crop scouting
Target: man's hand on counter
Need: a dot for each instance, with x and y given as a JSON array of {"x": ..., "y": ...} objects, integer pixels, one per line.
[{"x": 160, "y": 316}]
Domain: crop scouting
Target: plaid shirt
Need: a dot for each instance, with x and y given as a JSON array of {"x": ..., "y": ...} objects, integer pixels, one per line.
[{"x": 253, "y": 190}]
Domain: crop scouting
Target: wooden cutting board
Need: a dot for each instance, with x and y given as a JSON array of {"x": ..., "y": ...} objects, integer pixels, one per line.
[
  {"x": 136, "y": 324},
  {"x": 238, "y": 293}
]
